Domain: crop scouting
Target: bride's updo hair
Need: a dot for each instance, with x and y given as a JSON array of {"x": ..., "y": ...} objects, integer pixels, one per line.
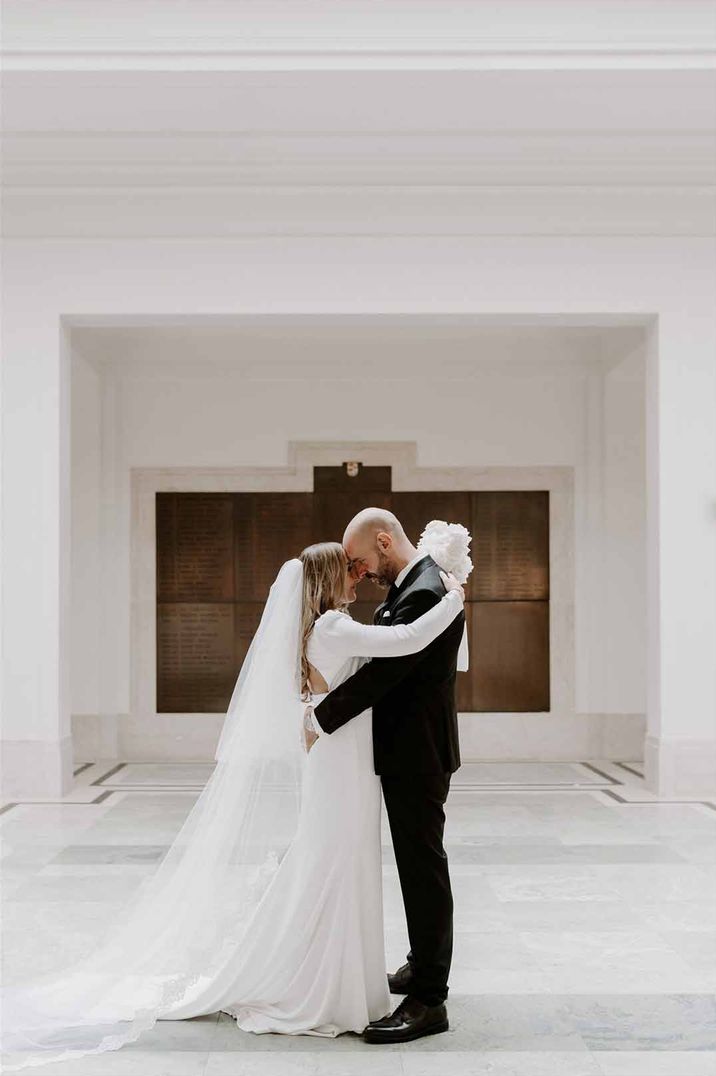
[{"x": 324, "y": 588}]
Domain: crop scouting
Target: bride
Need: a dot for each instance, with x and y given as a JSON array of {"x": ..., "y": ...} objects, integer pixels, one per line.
[{"x": 268, "y": 904}]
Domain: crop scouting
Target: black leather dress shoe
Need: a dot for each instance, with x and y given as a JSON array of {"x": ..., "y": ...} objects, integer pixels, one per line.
[
  {"x": 411, "y": 1020},
  {"x": 401, "y": 982}
]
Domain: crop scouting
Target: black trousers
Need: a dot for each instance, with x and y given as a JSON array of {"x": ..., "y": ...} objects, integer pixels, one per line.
[{"x": 414, "y": 803}]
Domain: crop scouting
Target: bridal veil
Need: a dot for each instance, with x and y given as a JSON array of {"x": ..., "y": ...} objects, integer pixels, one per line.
[{"x": 188, "y": 919}]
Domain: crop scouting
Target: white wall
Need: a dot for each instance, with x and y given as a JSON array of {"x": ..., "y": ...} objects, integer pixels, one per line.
[
  {"x": 481, "y": 398},
  {"x": 579, "y": 279},
  {"x": 624, "y": 575},
  {"x": 564, "y": 172},
  {"x": 86, "y": 536}
]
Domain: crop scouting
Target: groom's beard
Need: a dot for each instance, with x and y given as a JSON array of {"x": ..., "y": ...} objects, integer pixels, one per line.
[{"x": 385, "y": 574}]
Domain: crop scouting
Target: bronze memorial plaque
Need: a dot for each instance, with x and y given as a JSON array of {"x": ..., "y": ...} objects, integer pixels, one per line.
[
  {"x": 195, "y": 547},
  {"x": 218, "y": 553},
  {"x": 196, "y": 665},
  {"x": 511, "y": 545}
]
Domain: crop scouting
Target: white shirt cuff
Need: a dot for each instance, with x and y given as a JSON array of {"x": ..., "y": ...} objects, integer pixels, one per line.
[{"x": 311, "y": 720}]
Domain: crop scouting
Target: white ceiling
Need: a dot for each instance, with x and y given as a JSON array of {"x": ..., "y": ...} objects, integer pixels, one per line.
[{"x": 294, "y": 117}]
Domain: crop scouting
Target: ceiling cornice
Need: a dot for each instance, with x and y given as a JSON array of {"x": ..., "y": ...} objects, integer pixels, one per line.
[
  {"x": 348, "y": 158},
  {"x": 299, "y": 35},
  {"x": 237, "y": 213},
  {"x": 244, "y": 118},
  {"x": 655, "y": 57}
]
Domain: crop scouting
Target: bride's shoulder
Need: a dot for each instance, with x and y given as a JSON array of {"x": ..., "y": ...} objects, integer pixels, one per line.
[
  {"x": 330, "y": 618},
  {"x": 332, "y": 614}
]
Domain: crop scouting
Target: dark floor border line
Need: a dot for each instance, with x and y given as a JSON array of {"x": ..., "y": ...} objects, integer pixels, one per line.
[
  {"x": 456, "y": 787},
  {"x": 82, "y": 768},
  {"x": 657, "y": 803},
  {"x": 606, "y": 791},
  {"x": 58, "y": 803},
  {"x": 178, "y": 762},
  {"x": 476, "y": 789},
  {"x": 113, "y": 790},
  {"x": 115, "y": 769},
  {"x": 606, "y": 776},
  {"x": 629, "y": 769}
]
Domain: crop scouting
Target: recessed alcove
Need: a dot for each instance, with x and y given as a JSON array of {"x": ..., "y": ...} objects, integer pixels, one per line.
[{"x": 449, "y": 404}]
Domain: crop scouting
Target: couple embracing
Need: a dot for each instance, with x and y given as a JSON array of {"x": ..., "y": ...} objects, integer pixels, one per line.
[{"x": 268, "y": 904}]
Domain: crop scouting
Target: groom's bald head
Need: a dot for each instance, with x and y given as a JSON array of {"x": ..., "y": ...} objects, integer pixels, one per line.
[
  {"x": 377, "y": 546},
  {"x": 371, "y": 521}
]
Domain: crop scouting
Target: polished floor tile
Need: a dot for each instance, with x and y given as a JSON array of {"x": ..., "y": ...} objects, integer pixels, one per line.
[
  {"x": 505, "y": 1063},
  {"x": 585, "y": 928},
  {"x": 650, "y": 1063}
]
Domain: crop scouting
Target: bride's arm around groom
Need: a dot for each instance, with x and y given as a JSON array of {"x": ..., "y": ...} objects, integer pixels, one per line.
[{"x": 394, "y": 651}]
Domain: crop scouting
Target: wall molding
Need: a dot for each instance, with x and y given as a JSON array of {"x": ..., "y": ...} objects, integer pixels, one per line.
[
  {"x": 346, "y": 57},
  {"x": 299, "y": 156},
  {"x": 144, "y": 729},
  {"x": 251, "y": 211},
  {"x": 483, "y": 737}
]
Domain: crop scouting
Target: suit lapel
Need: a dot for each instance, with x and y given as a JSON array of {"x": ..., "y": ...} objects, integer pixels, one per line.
[
  {"x": 384, "y": 607},
  {"x": 415, "y": 572},
  {"x": 382, "y": 613}
]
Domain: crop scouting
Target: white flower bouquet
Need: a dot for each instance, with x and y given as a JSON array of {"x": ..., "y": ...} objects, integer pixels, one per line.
[{"x": 449, "y": 546}]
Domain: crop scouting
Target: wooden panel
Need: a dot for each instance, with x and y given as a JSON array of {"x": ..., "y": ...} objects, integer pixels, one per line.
[
  {"x": 270, "y": 528},
  {"x": 194, "y": 547},
  {"x": 362, "y": 610},
  {"x": 196, "y": 666},
  {"x": 337, "y": 498},
  {"x": 333, "y": 511},
  {"x": 368, "y": 480},
  {"x": 217, "y": 555},
  {"x": 247, "y": 618},
  {"x": 511, "y": 546},
  {"x": 416, "y": 510},
  {"x": 509, "y": 656}
]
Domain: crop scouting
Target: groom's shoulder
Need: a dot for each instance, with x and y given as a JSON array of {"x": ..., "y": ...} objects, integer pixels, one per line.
[
  {"x": 429, "y": 578},
  {"x": 425, "y": 589}
]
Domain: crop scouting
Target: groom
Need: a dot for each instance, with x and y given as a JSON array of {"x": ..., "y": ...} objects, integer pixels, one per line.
[{"x": 415, "y": 747}]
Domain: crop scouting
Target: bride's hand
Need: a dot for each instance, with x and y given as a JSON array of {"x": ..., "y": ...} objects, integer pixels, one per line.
[{"x": 451, "y": 583}]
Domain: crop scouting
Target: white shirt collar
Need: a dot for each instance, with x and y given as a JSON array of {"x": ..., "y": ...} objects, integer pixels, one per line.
[{"x": 401, "y": 575}]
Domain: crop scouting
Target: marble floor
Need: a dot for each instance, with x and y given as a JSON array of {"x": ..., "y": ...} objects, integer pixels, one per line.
[{"x": 585, "y": 924}]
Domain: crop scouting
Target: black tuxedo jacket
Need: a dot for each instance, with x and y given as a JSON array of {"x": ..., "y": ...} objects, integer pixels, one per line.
[{"x": 413, "y": 697}]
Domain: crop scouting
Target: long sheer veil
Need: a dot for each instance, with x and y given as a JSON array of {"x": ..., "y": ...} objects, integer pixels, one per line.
[{"x": 188, "y": 919}]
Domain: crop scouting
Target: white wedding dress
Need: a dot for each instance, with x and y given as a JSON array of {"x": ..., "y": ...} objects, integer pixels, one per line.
[
  {"x": 268, "y": 903},
  {"x": 315, "y": 960}
]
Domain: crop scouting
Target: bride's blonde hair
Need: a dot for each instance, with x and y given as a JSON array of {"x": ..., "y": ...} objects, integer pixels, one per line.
[{"x": 324, "y": 588}]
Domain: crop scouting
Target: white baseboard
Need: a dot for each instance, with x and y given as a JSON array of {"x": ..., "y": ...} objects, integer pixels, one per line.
[
  {"x": 552, "y": 736},
  {"x": 177, "y": 737},
  {"x": 36, "y": 769},
  {"x": 154, "y": 738},
  {"x": 676, "y": 767}
]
